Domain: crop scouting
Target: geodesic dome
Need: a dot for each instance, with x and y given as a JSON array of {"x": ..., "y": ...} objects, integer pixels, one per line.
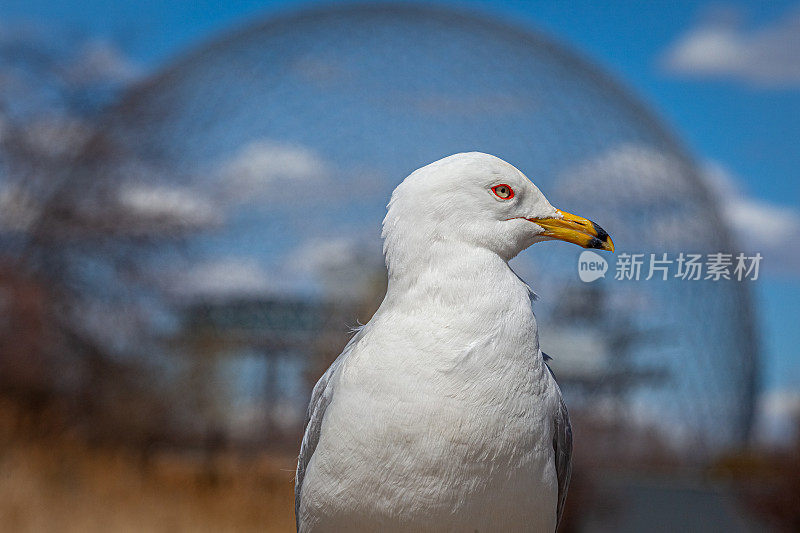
[{"x": 288, "y": 137}]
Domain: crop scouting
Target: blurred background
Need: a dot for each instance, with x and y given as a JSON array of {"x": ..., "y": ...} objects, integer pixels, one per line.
[{"x": 190, "y": 205}]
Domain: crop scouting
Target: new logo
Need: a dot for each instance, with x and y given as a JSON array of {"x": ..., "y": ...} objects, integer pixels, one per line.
[{"x": 591, "y": 266}]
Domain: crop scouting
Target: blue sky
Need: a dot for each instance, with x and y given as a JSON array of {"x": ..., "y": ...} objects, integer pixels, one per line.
[
  {"x": 747, "y": 128},
  {"x": 743, "y": 118}
]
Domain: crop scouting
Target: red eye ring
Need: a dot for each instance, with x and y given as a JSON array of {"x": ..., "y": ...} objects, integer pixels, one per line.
[{"x": 503, "y": 191}]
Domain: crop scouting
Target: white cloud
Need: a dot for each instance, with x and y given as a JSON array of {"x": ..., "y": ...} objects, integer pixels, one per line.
[
  {"x": 778, "y": 416},
  {"x": 45, "y": 69},
  {"x": 168, "y": 205},
  {"x": 340, "y": 266},
  {"x": 721, "y": 48},
  {"x": 758, "y": 226},
  {"x": 267, "y": 167},
  {"x": 257, "y": 172},
  {"x": 320, "y": 255},
  {"x": 228, "y": 276},
  {"x": 99, "y": 61},
  {"x": 628, "y": 173}
]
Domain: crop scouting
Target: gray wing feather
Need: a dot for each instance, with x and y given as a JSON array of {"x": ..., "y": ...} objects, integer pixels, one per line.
[
  {"x": 562, "y": 446},
  {"x": 320, "y": 399}
]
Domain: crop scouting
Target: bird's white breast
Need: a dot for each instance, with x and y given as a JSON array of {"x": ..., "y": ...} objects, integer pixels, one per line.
[{"x": 441, "y": 418}]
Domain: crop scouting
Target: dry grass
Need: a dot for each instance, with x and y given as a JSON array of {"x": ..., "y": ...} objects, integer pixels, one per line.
[{"x": 57, "y": 485}]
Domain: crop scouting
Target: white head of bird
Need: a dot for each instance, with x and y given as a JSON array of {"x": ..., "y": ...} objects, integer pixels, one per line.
[{"x": 478, "y": 201}]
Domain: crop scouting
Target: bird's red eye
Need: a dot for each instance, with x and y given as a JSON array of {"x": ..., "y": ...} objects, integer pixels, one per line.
[{"x": 503, "y": 191}]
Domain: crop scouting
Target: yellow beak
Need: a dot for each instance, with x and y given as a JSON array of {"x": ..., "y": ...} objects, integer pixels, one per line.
[{"x": 575, "y": 229}]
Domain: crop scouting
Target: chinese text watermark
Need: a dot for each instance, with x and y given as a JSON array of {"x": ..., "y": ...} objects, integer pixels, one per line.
[{"x": 663, "y": 266}]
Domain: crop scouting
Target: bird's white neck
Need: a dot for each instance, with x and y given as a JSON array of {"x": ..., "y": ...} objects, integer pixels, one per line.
[
  {"x": 460, "y": 282},
  {"x": 453, "y": 300},
  {"x": 430, "y": 268}
]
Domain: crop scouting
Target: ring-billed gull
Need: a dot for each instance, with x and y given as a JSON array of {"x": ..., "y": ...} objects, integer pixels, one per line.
[{"x": 441, "y": 413}]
